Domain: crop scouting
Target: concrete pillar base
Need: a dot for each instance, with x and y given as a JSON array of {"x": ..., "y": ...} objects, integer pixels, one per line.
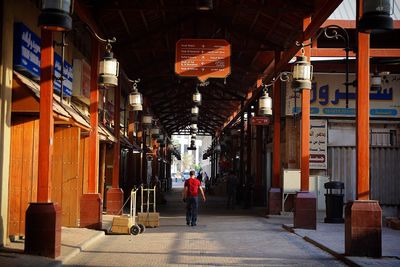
[
  {"x": 43, "y": 230},
  {"x": 115, "y": 200},
  {"x": 305, "y": 210},
  {"x": 274, "y": 201},
  {"x": 363, "y": 228},
  {"x": 91, "y": 211}
]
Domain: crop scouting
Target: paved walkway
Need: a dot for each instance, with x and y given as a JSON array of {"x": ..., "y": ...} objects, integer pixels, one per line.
[{"x": 222, "y": 238}]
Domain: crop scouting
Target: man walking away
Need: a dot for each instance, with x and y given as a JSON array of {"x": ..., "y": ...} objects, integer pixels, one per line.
[
  {"x": 190, "y": 195},
  {"x": 231, "y": 185}
]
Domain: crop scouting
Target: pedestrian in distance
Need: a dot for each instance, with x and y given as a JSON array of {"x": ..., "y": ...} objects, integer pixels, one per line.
[
  {"x": 231, "y": 185},
  {"x": 190, "y": 196}
]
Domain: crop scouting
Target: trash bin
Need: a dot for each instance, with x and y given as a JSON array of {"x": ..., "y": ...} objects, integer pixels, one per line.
[{"x": 334, "y": 202}]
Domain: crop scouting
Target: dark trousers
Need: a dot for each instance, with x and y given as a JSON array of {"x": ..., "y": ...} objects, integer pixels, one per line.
[
  {"x": 231, "y": 200},
  {"x": 191, "y": 209}
]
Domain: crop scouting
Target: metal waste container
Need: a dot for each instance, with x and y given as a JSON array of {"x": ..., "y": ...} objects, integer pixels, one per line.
[{"x": 334, "y": 202}]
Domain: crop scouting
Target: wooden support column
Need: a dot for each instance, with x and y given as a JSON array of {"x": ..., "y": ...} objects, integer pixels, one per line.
[
  {"x": 363, "y": 217},
  {"x": 91, "y": 201},
  {"x": 43, "y": 219},
  {"x": 275, "y": 193},
  {"x": 115, "y": 195},
  {"x": 241, "y": 166},
  {"x": 248, "y": 178},
  {"x": 305, "y": 215}
]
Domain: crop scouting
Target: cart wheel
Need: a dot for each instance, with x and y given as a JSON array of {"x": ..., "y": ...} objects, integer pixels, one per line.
[
  {"x": 135, "y": 230},
  {"x": 142, "y": 227}
]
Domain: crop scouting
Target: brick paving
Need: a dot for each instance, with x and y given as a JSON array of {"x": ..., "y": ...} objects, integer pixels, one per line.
[{"x": 221, "y": 238}]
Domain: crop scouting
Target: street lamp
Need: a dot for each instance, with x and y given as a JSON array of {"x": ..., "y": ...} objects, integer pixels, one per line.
[
  {"x": 147, "y": 119},
  {"x": 265, "y": 103},
  {"x": 302, "y": 73},
  {"x": 376, "y": 16},
  {"x": 56, "y": 15},
  {"x": 135, "y": 98},
  {"x": 195, "y": 111},
  {"x": 197, "y": 97},
  {"x": 108, "y": 69}
]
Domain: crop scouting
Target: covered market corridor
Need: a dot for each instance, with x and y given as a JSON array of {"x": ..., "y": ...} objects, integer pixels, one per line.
[{"x": 293, "y": 106}]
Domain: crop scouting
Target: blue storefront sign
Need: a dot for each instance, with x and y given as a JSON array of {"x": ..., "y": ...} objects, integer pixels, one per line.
[
  {"x": 67, "y": 76},
  {"x": 26, "y": 51},
  {"x": 27, "y": 59}
]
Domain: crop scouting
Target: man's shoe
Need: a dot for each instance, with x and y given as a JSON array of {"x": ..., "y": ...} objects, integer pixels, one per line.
[
  {"x": 193, "y": 224},
  {"x": 187, "y": 223}
]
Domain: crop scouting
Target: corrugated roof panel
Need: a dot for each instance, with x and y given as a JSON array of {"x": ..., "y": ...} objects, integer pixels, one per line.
[{"x": 347, "y": 11}]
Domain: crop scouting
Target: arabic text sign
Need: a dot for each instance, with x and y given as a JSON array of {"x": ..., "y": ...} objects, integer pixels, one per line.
[
  {"x": 203, "y": 58},
  {"x": 318, "y": 144},
  {"x": 260, "y": 120},
  {"x": 328, "y": 97}
]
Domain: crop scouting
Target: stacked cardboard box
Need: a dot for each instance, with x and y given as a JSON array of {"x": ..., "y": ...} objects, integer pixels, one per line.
[{"x": 120, "y": 225}]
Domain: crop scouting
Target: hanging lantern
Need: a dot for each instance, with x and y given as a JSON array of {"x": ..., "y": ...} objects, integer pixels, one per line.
[
  {"x": 217, "y": 148},
  {"x": 197, "y": 98},
  {"x": 193, "y": 128},
  {"x": 265, "y": 104},
  {"x": 204, "y": 5},
  {"x": 302, "y": 73},
  {"x": 195, "y": 110},
  {"x": 108, "y": 69},
  {"x": 376, "y": 15},
  {"x": 56, "y": 15},
  {"x": 193, "y": 137},
  {"x": 155, "y": 132},
  {"x": 135, "y": 98},
  {"x": 147, "y": 119}
]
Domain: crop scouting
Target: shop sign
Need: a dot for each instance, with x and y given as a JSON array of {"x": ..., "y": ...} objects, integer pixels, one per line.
[
  {"x": 260, "y": 120},
  {"x": 318, "y": 144},
  {"x": 27, "y": 58},
  {"x": 328, "y": 97},
  {"x": 203, "y": 58},
  {"x": 26, "y": 51},
  {"x": 67, "y": 75}
]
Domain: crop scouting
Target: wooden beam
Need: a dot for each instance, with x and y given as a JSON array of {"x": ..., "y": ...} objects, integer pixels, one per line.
[
  {"x": 94, "y": 120},
  {"x": 305, "y": 126},
  {"x": 362, "y": 115},
  {"x": 276, "y": 165},
  {"x": 339, "y": 52},
  {"x": 117, "y": 134},
  {"x": 46, "y": 122}
]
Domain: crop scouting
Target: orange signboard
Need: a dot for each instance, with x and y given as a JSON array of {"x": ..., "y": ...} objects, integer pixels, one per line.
[{"x": 203, "y": 58}]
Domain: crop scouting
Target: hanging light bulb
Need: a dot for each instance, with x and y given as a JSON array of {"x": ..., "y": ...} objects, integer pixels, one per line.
[
  {"x": 135, "y": 98},
  {"x": 197, "y": 98},
  {"x": 108, "y": 69},
  {"x": 56, "y": 15},
  {"x": 376, "y": 15},
  {"x": 302, "y": 73},
  {"x": 265, "y": 104}
]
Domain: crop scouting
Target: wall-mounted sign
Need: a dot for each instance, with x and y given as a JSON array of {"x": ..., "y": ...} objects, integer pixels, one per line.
[
  {"x": 203, "y": 58},
  {"x": 67, "y": 76},
  {"x": 260, "y": 120},
  {"x": 26, "y": 51},
  {"x": 81, "y": 82},
  {"x": 328, "y": 97},
  {"x": 27, "y": 58},
  {"x": 318, "y": 144}
]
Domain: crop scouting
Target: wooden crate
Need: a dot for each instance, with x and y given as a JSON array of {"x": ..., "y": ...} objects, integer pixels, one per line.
[{"x": 151, "y": 219}]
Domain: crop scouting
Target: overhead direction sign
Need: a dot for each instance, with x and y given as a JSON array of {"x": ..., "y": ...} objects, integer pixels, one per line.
[
  {"x": 203, "y": 58},
  {"x": 260, "y": 120}
]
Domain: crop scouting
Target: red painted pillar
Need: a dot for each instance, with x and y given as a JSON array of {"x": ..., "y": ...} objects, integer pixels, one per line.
[
  {"x": 275, "y": 193},
  {"x": 115, "y": 195},
  {"x": 363, "y": 217},
  {"x": 43, "y": 219},
  {"x": 91, "y": 201},
  {"x": 305, "y": 214}
]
